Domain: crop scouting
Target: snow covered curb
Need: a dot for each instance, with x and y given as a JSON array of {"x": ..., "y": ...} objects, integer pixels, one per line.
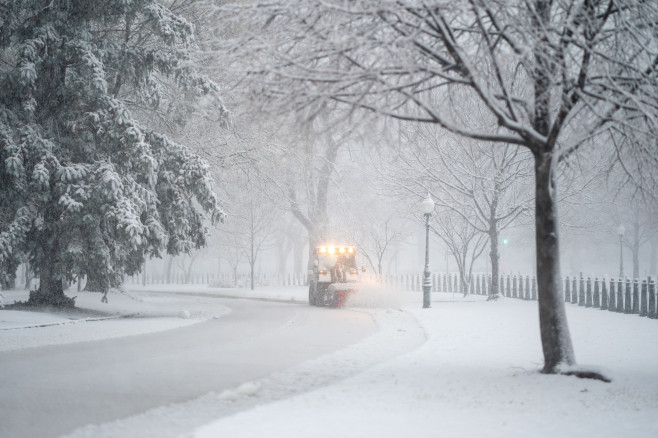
[
  {"x": 398, "y": 333},
  {"x": 127, "y": 315},
  {"x": 71, "y": 321}
]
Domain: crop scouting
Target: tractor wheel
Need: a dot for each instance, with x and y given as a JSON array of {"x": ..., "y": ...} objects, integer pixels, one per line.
[
  {"x": 312, "y": 294},
  {"x": 332, "y": 296}
]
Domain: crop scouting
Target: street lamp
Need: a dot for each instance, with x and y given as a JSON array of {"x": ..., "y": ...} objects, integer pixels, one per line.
[
  {"x": 427, "y": 206},
  {"x": 621, "y": 230}
]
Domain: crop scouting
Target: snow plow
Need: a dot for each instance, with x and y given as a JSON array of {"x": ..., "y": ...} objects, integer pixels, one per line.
[{"x": 335, "y": 276}]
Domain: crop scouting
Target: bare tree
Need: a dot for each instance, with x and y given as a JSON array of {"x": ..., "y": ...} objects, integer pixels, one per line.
[
  {"x": 552, "y": 74},
  {"x": 486, "y": 186},
  {"x": 636, "y": 218},
  {"x": 298, "y": 169},
  {"x": 185, "y": 262},
  {"x": 251, "y": 220},
  {"x": 375, "y": 234},
  {"x": 465, "y": 242}
]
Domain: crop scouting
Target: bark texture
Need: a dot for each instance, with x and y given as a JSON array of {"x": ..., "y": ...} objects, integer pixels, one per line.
[{"x": 555, "y": 337}]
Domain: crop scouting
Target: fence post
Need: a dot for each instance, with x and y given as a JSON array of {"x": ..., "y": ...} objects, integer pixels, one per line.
[
  {"x": 604, "y": 295},
  {"x": 588, "y": 297},
  {"x": 488, "y": 290},
  {"x": 620, "y": 295},
  {"x": 514, "y": 287},
  {"x": 574, "y": 290},
  {"x": 612, "y": 300},
  {"x": 567, "y": 290},
  {"x": 636, "y": 297},
  {"x": 643, "y": 299},
  {"x": 581, "y": 291},
  {"x": 627, "y": 298},
  {"x": 534, "y": 288},
  {"x": 521, "y": 288},
  {"x": 596, "y": 298},
  {"x": 653, "y": 313}
]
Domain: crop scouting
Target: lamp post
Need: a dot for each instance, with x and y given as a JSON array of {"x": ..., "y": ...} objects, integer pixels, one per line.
[
  {"x": 621, "y": 230},
  {"x": 427, "y": 206}
]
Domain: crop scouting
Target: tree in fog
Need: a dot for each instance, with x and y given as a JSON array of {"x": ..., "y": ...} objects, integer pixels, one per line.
[
  {"x": 485, "y": 186},
  {"x": 87, "y": 188},
  {"x": 465, "y": 242},
  {"x": 296, "y": 168},
  {"x": 638, "y": 219},
  {"x": 554, "y": 75},
  {"x": 373, "y": 227},
  {"x": 258, "y": 218}
]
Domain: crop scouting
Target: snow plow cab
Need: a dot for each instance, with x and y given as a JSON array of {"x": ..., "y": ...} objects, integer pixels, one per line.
[{"x": 335, "y": 275}]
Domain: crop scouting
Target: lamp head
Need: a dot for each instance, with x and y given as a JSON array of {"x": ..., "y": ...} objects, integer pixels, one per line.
[{"x": 427, "y": 206}]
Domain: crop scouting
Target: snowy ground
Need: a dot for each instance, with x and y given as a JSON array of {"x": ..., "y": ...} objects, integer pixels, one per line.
[
  {"x": 463, "y": 368},
  {"x": 125, "y": 314}
]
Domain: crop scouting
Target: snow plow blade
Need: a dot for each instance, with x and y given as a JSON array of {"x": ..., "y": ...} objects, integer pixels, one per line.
[{"x": 339, "y": 293}]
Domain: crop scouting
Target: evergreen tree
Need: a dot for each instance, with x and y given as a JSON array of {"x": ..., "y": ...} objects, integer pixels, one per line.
[{"x": 85, "y": 188}]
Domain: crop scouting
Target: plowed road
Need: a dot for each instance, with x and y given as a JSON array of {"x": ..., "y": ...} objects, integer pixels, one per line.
[{"x": 49, "y": 391}]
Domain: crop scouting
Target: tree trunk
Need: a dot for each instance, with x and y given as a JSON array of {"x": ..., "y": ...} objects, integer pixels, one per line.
[
  {"x": 284, "y": 248},
  {"x": 252, "y": 275},
  {"x": 51, "y": 290},
  {"x": 635, "y": 247},
  {"x": 653, "y": 261},
  {"x": 252, "y": 249},
  {"x": 28, "y": 276},
  {"x": 168, "y": 268},
  {"x": 555, "y": 337},
  {"x": 94, "y": 284},
  {"x": 298, "y": 258},
  {"x": 9, "y": 282},
  {"x": 494, "y": 291}
]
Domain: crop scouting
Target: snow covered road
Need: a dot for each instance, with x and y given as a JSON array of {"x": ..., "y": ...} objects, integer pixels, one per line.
[{"x": 52, "y": 390}]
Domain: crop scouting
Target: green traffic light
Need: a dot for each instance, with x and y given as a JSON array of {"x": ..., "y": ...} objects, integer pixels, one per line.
[{"x": 505, "y": 240}]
